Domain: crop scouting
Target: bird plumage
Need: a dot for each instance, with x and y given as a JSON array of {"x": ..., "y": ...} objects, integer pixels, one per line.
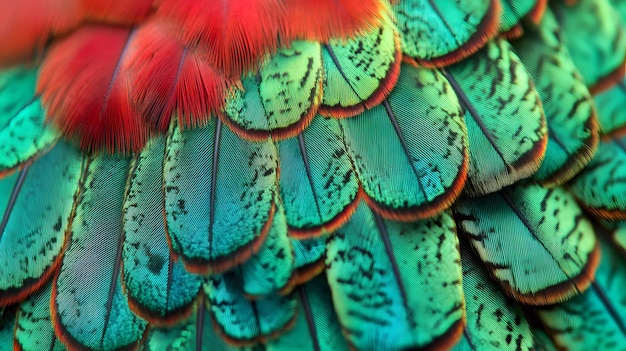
[{"x": 316, "y": 175}]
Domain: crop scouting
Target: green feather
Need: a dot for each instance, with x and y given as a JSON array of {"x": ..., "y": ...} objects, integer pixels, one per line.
[
  {"x": 542, "y": 340},
  {"x": 403, "y": 177},
  {"x": 309, "y": 259},
  {"x": 494, "y": 322},
  {"x": 32, "y": 229},
  {"x": 361, "y": 71},
  {"x": 318, "y": 184},
  {"x": 282, "y": 98},
  {"x": 620, "y": 7},
  {"x": 316, "y": 327},
  {"x": 595, "y": 320},
  {"x": 601, "y": 186},
  {"x": 185, "y": 336},
  {"x": 22, "y": 129},
  {"x": 535, "y": 241},
  {"x": 610, "y": 105},
  {"x": 514, "y": 11},
  {"x": 89, "y": 307},
  {"x": 446, "y": 31},
  {"x": 33, "y": 328},
  {"x": 396, "y": 285},
  {"x": 595, "y": 38},
  {"x": 242, "y": 321},
  {"x": 618, "y": 237},
  {"x": 219, "y": 195},
  {"x": 567, "y": 104},
  {"x": 505, "y": 123},
  {"x": 158, "y": 286},
  {"x": 272, "y": 267}
]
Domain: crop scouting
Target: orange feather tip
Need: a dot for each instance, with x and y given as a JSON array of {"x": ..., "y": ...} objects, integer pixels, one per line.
[
  {"x": 486, "y": 30},
  {"x": 85, "y": 93},
  {"x": 168, "y": 79},
  {"x": 536, "y": 14},
  {"x": 608, "y": 81}
]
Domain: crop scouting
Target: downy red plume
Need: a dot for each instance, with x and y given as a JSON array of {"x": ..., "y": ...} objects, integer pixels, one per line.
[
  {"x": 323, "y": 20},
  {"x": 124, "y": 12},
  {"x": 235, "y": 35},
  {"x": 167, "y": 79},
  {"x": 26, "y": 26},
  {"x": 86, "y": 95}
]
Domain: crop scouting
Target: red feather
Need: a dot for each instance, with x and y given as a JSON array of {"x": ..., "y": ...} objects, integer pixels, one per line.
[
  {"x": 235, "y": 35},
  {"x": 26, "y": 26},
  {"x": 326, "y": 19},
  {"x": 166, "y": 78},
  {"x": 85, "y": 93},
  {"x": 116, "y": 11}
]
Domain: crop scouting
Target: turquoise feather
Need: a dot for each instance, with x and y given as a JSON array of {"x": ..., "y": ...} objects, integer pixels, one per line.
[
  {"x": 282, "y": 98},
  {"x": 159, "y": 288},
  {"x": 494, "y": 322},
  {"x": 33, "y": 327},
  {"x": 309, "y": 259},
  {"x": 596, "y": 39},
  {"x": 597, "y": 318},
  {"x": 318, "y": 183},
  {"x": 270, "y": 270},
  {"x": 505, "y": 123},
  {"x": 446, "y": 31},
  {"x": 242, "y": 321},
  {"x": 89, "y": 307},
  {"x": 542, "y": 340},
  {"x": 197, "y": 333},
  {"x": 535, "y": 241},
  {"x": 600, "y": 187},
  {"x": 22, "y": 129},
  {"x": 32, "y": 229},
  {"x": 610, "y": 105},
  {"x": 7, "y": 322},
  {"x": 514, "y": 11},
  {"x": 568, "y": 105},
  {"x": 360, "y": 72},
  {"x": 396, "y": 285},
  {"x": 219, "y": 195},
  {"x": 401, "y": 177},
  {"x": 316, "y": 327}
]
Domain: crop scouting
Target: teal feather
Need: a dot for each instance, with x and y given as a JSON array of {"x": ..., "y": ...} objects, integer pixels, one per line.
[
  {"x": 618, "y": 237},
  {"x": 318, "y": 183},
  {"x": 505, "y": 123},
  {"x": 33, "y": 327},
  {"x": 22, "y": 129},
  {"x": 396, "y": 285},
  {"x": 568, "y": 105},
  {"x": 401, "y": 177},
  {"x": 494, "y": 322},
  {"x": 219, "y": 195},
  {"x": 536, "y": 242},
  {"x": 197, "y": 333},
  {"x": 446, "y": 31},
  {"x": 282, "y": 98},
  {"x": 542, "y": 340},
  {"x": 316, "y": 327},
  {"x": 309, "y": 259},
  {"x": 596, "y": 39},
  {"x": 245, "y": 322},
  {"x": 7, "y": 322},
  {"x": 89, "y": 307},
  {"x": 361, "y": 71},
  {"x": 34, "y": 221},
  {"x": 600, "y": 187},
  {"x": 610, "y": 105},
  {"x": 272, "y": 267},
  {"x": 159, "y": 288},
  {"x": 596, "y": 319},
  {"x": 514, "y": 11}
]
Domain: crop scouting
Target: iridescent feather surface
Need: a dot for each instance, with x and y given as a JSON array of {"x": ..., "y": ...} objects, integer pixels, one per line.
[{"x": 312, "y": 175}]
